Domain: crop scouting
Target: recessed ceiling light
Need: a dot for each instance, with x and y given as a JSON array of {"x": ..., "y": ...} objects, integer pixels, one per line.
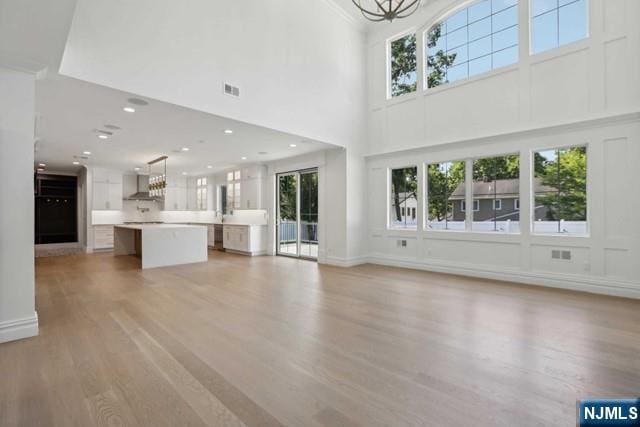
[
  {"x": 137, "y": 101},
  {"x": 76, "y": 163},
  {"x": 86, "y": 153},
  {"x": 184, "y": 149},
  {"x": 209, "y": 167},
  {"x": 103, "y": 136},
  {"x": 292, "y": 145},
  {"x": 184, "y": 173},
  {"x": 129, "y": 109},
  {"x": 136, "y": 169},
  {"x": 228, "y": 131},
  {"x": 244, "y": 158},
  {"x": 40, "y": 170},
  {"x": 42, "y": 165}
]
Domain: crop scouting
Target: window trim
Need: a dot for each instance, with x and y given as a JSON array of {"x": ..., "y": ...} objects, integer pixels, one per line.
[
  {"x": 389, "y": 192},
  {"x": 559, "y": 46},
  {"x": 499, "y": 204},
  {"x": 532, "y": 194},
  {"x": 450, "y": 12},
  {"x": 425, "y": 195},
  {"x": 411, "y": 30}
]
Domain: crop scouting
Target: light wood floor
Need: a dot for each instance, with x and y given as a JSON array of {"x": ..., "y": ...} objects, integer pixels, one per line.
[{"x": 272, "y": 341}]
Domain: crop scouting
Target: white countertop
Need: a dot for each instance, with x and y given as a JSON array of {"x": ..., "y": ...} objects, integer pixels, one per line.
[{"x": 155, "y": 226}]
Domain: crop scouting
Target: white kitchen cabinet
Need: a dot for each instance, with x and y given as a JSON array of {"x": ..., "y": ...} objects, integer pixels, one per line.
[
  {"x": 211, "y": 235},
  {"x": 103, "y": 236},
  {"x": 251, "y": 195},
  {"x": 175, "y": 198},
  {"x": 107, "y": 189},
  {"x": 245, "y": 239},
  {"x": 190, "y": 195}
]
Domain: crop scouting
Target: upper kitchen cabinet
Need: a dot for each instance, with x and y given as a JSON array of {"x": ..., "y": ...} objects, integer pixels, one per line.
[
  {"x": 107, "y": 189},
  {"x": 175, "y": 198},
  {"x": 244, "y": 187}
]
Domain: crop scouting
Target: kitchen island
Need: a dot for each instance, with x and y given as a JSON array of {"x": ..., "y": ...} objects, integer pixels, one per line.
[{"x": 159, "y": 245}]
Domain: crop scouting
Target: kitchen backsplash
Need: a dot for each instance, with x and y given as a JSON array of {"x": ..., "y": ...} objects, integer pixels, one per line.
[{"x": 147, "y": 211}]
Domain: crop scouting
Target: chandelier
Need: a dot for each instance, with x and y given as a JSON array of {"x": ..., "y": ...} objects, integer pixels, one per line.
[{"x": 381, "y": 10}]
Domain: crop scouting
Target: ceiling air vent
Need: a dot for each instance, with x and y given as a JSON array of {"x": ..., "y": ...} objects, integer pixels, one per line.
[{"x": 231, "y": 90}]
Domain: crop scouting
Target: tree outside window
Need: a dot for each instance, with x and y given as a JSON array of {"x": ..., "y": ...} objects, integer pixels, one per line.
[
  {"x": 404, "y": 197},
  {"x": 561, "y": 205},
  {"x": 443, "y": 179},
  {"x": 403, "y": 65}
]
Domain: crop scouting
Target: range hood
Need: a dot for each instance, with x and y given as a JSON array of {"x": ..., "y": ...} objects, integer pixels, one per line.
[{"x": 142, "y": 190}]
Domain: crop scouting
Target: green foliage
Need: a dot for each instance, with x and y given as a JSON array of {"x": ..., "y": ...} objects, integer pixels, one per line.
[
  {"x": 403, "y": 65},
  {"x": 437, "y": 64},
  {"x": 494, "y": 168},
  {"x": 567, "y": 173},
  {"x": 309, "y": 197},
  {"x": 404, "y": 183},
  {"x": 442, "y": 180},
  {"x": 287, "y": 198}
]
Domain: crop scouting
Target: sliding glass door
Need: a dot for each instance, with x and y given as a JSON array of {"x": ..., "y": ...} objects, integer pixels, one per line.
[{"x": 297, "y": 217}]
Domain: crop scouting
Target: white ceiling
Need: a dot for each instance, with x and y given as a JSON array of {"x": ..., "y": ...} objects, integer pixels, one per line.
[{"x": 70, "y": 111}]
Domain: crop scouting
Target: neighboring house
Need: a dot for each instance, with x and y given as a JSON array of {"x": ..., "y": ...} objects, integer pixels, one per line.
[
  {"x": 408, "y": 209},
  {"x": 501, "y": 196}
]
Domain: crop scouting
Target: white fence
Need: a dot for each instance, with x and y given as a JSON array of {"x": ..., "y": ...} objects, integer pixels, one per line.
[{"x": 541, "y": 227}]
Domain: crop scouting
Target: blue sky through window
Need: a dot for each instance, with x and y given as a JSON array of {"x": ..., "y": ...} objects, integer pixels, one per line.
[{"x": 557, "y": 22}]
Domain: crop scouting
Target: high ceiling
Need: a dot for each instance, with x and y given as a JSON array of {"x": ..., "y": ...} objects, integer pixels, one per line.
[{"x": 72, "y": 112}]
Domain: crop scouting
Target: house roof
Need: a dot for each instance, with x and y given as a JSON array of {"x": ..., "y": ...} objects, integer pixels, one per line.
[{"x": 505, "y": 188}]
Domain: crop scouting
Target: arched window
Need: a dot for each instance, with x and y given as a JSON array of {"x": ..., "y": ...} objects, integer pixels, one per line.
[
  {"x": 557, "y": 22},
  {"x": 474, "y": 40}
]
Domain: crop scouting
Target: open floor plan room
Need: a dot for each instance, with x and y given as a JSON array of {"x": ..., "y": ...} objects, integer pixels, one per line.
[
  {"x": 276, "y": 341},
  {"x": 319, "y": 213}
]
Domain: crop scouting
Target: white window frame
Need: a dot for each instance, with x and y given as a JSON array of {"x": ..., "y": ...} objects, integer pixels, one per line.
[
  {"x": 532, "y": 196},
  {"x": 530, "y": 25},
  {"x": 516, "y": 204},
  {"x": 451, "y": 12},
  {"x": 234, "y": 187},
  {"x": 390, "y": 40},
  {"x": 202, "y": 193},
  {"x": 390, "y": 225},
  {"x": 499, "y": 203}
]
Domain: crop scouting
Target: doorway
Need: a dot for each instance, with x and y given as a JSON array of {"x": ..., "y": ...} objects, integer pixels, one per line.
[{"x": 297, "y": 214}]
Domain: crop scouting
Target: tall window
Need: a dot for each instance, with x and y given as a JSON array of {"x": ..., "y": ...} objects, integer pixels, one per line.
[
  {"x": 560, "y": 191},
  {"x": 233, "y": 190},
  {"x": 404, "y": 198},
  {"x": 479, "y": 38},
  {"x": 557, "y": 22},
  {"x": 403, "y": 76},
  {"x": 201, "y": 193},
  {"x": 496, "y": 187},
  {"x": 445, "y": 191}
]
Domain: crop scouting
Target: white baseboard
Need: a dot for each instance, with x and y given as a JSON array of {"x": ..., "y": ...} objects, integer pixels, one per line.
[
  {"x": 12, "y": 330},
  {"x": 345, "y": 262},
  {"x": 597, "y": 285}
]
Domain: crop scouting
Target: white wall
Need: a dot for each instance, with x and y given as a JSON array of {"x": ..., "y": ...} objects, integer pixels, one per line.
[
  {"x": 596, "y": 77},
  {"x": 586, "y": 92},
  {"x": 18, "y": 318},
  {"x": 605, "y": 261},
  {"x": 299, "y": 64}
]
